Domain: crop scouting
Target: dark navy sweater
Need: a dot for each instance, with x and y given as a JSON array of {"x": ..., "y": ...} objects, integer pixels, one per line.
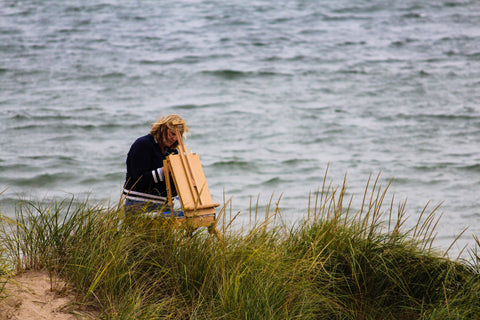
[{"x": 144, "y": 179}]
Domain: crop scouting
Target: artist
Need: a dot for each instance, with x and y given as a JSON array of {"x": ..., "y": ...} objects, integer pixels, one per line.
[{"x": 145, "y": 188}]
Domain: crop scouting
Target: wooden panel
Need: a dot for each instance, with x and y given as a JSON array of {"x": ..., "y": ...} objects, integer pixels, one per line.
[
  {"x": 200, "y": 221},
  {"x": 191, "y": 185}
]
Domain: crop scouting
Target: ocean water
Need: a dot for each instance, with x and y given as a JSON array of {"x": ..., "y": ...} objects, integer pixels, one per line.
[{"x": 274, "y": 92}]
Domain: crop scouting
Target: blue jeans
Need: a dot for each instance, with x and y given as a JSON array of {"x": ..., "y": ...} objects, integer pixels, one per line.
[{"x": 133, "y": 206}]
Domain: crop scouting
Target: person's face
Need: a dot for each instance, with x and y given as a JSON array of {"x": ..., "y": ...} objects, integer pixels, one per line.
[{"x": 171, "y": 138}]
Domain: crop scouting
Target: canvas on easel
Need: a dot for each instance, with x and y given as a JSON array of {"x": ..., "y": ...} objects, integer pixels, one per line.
[{"x": 191, "y": 185}]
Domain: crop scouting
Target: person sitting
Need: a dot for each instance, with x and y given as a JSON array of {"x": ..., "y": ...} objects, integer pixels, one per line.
[{"x": 145, "y": 187}]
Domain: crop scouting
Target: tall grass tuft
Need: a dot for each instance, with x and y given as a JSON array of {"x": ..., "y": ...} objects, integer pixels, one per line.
[{"x": 337, "y": 263}]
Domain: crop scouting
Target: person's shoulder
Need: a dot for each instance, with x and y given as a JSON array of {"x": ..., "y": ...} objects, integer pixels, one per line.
[{"x": 145, "y": 141}]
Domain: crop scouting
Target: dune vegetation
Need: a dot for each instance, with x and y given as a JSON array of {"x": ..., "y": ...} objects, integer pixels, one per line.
[{"x": 337, "y": 263}]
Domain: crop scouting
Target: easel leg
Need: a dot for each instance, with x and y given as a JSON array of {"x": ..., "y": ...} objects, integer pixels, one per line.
[
  {"x": 213, "y": 230},
  {"x": 166, "y": 174}
]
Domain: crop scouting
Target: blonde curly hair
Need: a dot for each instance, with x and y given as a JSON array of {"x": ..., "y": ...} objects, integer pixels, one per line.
[{"x": 159, "y": 129}]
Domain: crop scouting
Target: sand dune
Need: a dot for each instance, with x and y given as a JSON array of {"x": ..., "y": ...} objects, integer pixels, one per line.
[{"x": 31, "y": 295}]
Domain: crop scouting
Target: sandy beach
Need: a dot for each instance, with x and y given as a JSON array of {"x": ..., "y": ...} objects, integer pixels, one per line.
[{"x": 31, "y": 295}]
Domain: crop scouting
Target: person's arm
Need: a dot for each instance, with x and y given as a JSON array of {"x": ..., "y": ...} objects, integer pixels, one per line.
[{"x": 140, "y": 166}]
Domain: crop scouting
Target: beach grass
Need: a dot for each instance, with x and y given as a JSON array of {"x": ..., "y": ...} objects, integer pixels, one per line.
[{"x": 336, "y": 263}]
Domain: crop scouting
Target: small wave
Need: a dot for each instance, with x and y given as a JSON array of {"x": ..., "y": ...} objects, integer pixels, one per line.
[
  {"x": 17, "y": 167},
  {"x": 103, "y": 126},
  {"x": 312, "y": 32},
  {"x": 113, "y": 75},
  {"x": 343, "y": 17},
  {"x": 451, "y": 53},
  {"x": 21, "y": 12},
  {"x": 63, "y": 138},
  {"x": 26, "y": 72},
  {"x": 50, "y": 158},
  {"x": 41, "y": 180},
  {"x": 352, "y": 43},
  {"x": 105, "y": 76},
  {"x": 150, "y": 62},
  {"x": 88, "y": 8},
  {"x": 423, "y": 73},
  {"x": 401, "y": 43},
  {"x": 298, "y": 57},
  {"x": 473, "y": 56},
  {"x": 230, "y": 74},
  {"x": 61, "y": 126},
  {"x": 187, "y": 106},
  {"x": 432, "y": 166},
  {"x": 291, "y": 162},
  {"x": 272, "y": 182},
  {"x": 20, "y": 116},
  {"x": 10, "y": 30},
  {"x": 233, "y": 164},
  {"x": 27, "y": 127},
  {"x": 351, "y": 71},
  {"x": 424, "y": 117},
  {"x": 132, "y": 17},
  {"x": 185, "y": 59},
  {"x": 473, "y": 167},
  {"x": 453, "y": 4},
  {"x": 413, "y": 15}
]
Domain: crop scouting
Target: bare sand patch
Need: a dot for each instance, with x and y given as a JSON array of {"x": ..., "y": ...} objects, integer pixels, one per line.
[{"x": 32, "y": 295}]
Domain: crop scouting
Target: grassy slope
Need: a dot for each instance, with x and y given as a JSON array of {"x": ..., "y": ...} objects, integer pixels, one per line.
[{"x": 333, "y": 265}]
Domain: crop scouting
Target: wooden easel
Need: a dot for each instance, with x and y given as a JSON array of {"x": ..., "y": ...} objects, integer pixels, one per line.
[{"x": 187, "y": 174}]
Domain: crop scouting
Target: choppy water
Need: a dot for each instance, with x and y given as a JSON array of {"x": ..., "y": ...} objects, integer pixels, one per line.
[{"x": 274, "y": 91}]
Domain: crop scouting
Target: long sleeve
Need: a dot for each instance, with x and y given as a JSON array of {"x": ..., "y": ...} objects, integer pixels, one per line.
[{"x": 144, "y": 167}]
